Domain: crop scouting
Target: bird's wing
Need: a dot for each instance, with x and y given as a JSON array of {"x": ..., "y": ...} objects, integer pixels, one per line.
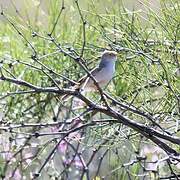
[
  {"x": 93, "y": 72},
  {"x": 87, "y": 82},
  {"x": 82, "y": 82}
]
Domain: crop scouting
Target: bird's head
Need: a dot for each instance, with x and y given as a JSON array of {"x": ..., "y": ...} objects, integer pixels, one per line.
[{"x": 109, "y": 55}]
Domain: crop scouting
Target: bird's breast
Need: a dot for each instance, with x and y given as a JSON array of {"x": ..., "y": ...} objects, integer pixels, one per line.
[
  {"x": 108, "y": 71},
  {"x": 103, "y": 76},
  {"x": 106, "y": 74}
]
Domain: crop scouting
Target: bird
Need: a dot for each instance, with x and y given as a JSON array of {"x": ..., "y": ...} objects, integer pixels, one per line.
[{"x": 103, "y": 73}]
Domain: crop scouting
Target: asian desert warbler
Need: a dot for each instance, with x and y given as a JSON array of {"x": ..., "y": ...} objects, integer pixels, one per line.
[{"x": 102, "y": 74}]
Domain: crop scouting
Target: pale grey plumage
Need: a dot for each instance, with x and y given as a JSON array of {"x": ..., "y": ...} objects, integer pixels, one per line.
[{"x": 103, "y": 73}]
